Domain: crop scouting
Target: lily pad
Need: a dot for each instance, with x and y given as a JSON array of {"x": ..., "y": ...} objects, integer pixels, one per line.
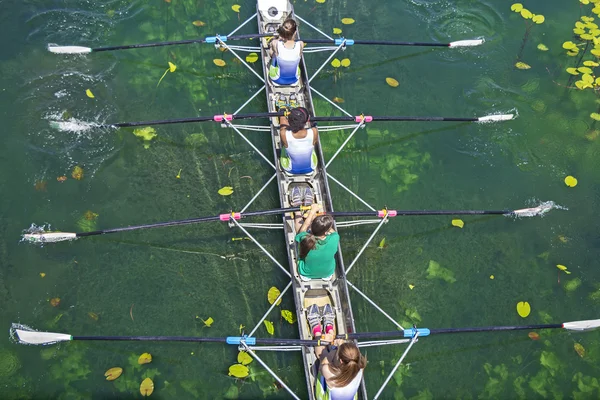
[
  {"x": 147, "y": 387},
  {"x": 273, "y": 294},
  {"x": 113, "y": 373},
  {"x": 523, "y": 308},
  {"x": 244, "y": 358},
  {"x": 238, "y": 371},
  {"x": 145, "y": 358}
]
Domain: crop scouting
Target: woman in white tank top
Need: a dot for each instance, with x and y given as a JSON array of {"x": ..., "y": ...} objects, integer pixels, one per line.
[
  {"x": 285, "y": 55},
  {"x": 299, "y": 143}
]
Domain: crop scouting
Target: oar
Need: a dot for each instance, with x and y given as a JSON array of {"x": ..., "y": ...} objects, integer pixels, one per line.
[
  {"x": 587, "y": 325},
  {"x": 87, "y": 50},
  {"x": 350, "y": 42},
  {"x": 24, "y": 336},
  {"x": 369, "y": 118},
  {"x": 50, "y": 237}
]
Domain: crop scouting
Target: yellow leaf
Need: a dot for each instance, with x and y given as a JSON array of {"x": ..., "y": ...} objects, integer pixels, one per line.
[
  {"x": 492, "y": 277},
  {"x": 573, "y": 53},
  {"x": 236, "y": 8},
  {"x": 526, "y": 14},
  {"x": 252, "y": 58},
  {"x": 586, "y": 36},
  {"x": 225, "y": 191},
  {"x": 458, "y": 222},
  {"x": 596, "y": 10},
  {"x": 288, "y": 316},
  {"x": 522, "y": 65},
  {"x": 346, "y": 62},
  {"x": 172, "y": 67},
  {"x": 579, "y": 349},
  {"x": 587, "y": 19},
  {"x": 321, "y": 1},
  {"x": 337, "y": 31},
  {"x": 77, "y": 173},
  {"x": 570, "y": 181},
  {"x": 89, "y": 93},
  {"x": 382, "y": 244},
  {"x": 238, "y": 371},
  {"x": 93, "y": 315},
  {"x": 569, "y": 45},
  {"x": 587, "y": 78},
  {"x": 580, "y": 84},
  {"x": 42, "y": 274},
  {"x": 241, "y": 328},
  {"x": 411, "y": 287},
  {"x": 517, "y": 7},
  {"x": 243, "y": 358},
  {"x": 219, "y": 63},
  {"x": 595, "y": 116},
  {"x": 198, "y": 23},
  {"x": 113, "y": 373},
  {"x": 578, "y": 31},
  {"x": 347, "y": 21},
  {"x": 273, "y": 294},
  {"x": 269, "y": 326},
  {"x": 209, "y": 321},
  {"x": 542, "y": 47},
  {"x": 595, "y": 52},
  {"x": 584, "y": 1},
  {"x": 392, "y": 82},
  {"x": 591, "y": 25},
  {"x": 147, "y": 387},
  {"x": 538, "y": 19},
  {"x": 338, "y": 100},
  {"x": 145, "y": 358},
  {"x": 572, "y": 71},
  {"x": 336, "y": 63},
  {"x": 523, "y": 308},
  {"x": 585, "y": 70}
]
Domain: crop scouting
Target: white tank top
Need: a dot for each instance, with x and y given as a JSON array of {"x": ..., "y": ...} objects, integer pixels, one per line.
[
  {"x": 300, "y": 151},
  {"x": 288, "y": 60},
  {"x": 347, "y": 392}
]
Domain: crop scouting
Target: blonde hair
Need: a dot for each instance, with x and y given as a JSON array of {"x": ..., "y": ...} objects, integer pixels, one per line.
[
  {"x": 287, "y": 30},
  {"x": 350, "y": 363}
]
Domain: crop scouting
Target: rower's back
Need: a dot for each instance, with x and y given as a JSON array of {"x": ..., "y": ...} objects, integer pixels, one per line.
[{"x": 286, "y": 53}]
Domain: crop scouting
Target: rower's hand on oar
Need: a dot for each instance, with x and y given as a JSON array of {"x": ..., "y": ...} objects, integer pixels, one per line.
[{"x": 315, "y": 209}]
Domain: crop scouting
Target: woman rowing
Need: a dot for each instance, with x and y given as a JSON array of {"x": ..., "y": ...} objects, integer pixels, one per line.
[
  {"x": 286, "y": 53},
  {"x": 317, "y": 248},
  {"x": 299, "y": 143}
]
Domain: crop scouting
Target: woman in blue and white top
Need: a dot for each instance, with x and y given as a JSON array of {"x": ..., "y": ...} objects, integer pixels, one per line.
[
  {"x": 299, "y": 142},
  {"x": 286, "y": 53}
]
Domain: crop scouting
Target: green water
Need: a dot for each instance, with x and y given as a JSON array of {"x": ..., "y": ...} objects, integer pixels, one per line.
[{"x": 164, "y": 281}]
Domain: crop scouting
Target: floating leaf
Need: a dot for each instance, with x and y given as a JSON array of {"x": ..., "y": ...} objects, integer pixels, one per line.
[
  {"x": 321, "y": 1},
  {"x": 563, "y": 268},
  {"x": 209, "y": 321},
  {"x": 458, "y": 222},
  {"x": 337, "y": 31},
  {"x": 346, "y": 62},
  {"x": 273, "y": 294},
  {"x": 579, "y": 349},
  {"x": 55, "y": 302},
  {"x": 381, "y": 244},
  {"x": 113, "y": 373},
  {"x": 269, "y": 326},
  {"x": 569, "y": 45},
  {"x": 225, "y": 191},
  {"x": 590, "y": 63},
  {"x": 244, "y": 358},
  {"x": 172, "y": 67},
  {"x": 338, "y": 100},
  {"x": 525, "y": 13},
  {"x": 288, "y": 316},
  {"x": 492, "y": 277},
  {"x": 252, "y": 58},
  {"x": 347, "y": 21},
  {"x": 198, "y": 23},
  {"x": 93, "y": 316},
  {"x": 572, "y": 71},
  {"x": 147, "y": 387},
  {"x": 522, "y": 65},
  {"x": 517, "y": 7},
  {"x": 145, "y": 358},
  {"x": 571, "y": 181},
  {"x": 578, "y": 31},
  {"x": 241, "y": 329},
  {"x": 219, "y": 63},
  {"x": 147, "y": 133},
  {"x": 89, "y": 93},
  {"x": 336, "y": 63},
  {"x": 585, "y": 70},
  {"x": 236, "y": 8},
  {"x": 392, "y": 82},
  {"x": 411, "y": 287},
  {"x": 538, "y": 19},
  {"x": 42, "y": 274},
  {"x": 77, "y": 173},
  {"x": 573, "y": 53},
  {"x": 523, "y": 308},
  {"x": 238, "y": 371},
  {"x": 533, "y": 336},
  {"x": 595, "y": 116},
  {"x": 542, "y": 47},
  {"x": 61, "y": 179}
]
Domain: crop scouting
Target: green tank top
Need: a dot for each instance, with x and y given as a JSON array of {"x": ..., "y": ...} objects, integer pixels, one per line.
[{"x": 319, "y": 262}]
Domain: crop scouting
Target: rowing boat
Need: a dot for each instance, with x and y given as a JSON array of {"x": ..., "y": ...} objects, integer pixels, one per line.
[{"x": 271, "y": 14}]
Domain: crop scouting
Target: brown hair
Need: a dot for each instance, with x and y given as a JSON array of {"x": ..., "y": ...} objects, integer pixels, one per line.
[
  {"x": 320, "y": 225},
  {"x": 287, "y": 30},
  {"x": 350, "y": 362},
  {"x": 297, "y": 118}
]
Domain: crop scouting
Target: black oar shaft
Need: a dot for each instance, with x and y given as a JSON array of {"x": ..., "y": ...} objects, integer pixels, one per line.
[
  {"x": 419, "y": 212},
  {"x": 495, "y": 328},
  {"x": 398, "y": 118},
  {"x": 378, "y": 42},
  {"x": 188, "y": 120},
  {"x": 143, "y": 45},
  {"x": 267, "y": 341}
]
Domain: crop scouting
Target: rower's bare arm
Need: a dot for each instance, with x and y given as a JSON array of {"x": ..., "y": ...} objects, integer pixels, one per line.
[
  {"x": 316, "y": 135},
  {"x": 314, "y": 209},
  {"x": 283, "y": 122}
]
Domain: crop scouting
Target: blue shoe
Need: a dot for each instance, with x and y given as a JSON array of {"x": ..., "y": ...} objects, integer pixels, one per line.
[
  {"x": 296, "y": 197},
  {"x": 309, "y": 196},
  {"x": 314, "y": 317},
  {"x": 328, "y": 317}
]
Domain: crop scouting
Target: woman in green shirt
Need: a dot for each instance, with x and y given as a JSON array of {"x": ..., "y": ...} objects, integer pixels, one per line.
[{"x": 317, "y": 248}]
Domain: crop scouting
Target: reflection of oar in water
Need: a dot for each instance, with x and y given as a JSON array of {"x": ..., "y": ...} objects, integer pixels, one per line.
[
  {"x": 48, "y": 237},
  {"x": 216, "y": 39},
  {"x": 81, "y": 125},
  {"x": 28, "y": 336}
]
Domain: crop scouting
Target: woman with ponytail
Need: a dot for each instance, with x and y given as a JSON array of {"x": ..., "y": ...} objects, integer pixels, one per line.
[
  {"x": 317, "y": 248},
  {"x": 341, "y": 369},
  {"x": 286, "y": 53}
]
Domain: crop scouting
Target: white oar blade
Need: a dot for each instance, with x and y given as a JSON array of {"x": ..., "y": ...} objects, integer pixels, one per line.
[
  {"x": 69, "y": 49},
  {"x": 49, "y": 237},
  {"x": 33, "y": 337},
  {"x": 582, "y": 325},
  {"x": 467, "y": 43},
  {"x": 496, "y": 118}
]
